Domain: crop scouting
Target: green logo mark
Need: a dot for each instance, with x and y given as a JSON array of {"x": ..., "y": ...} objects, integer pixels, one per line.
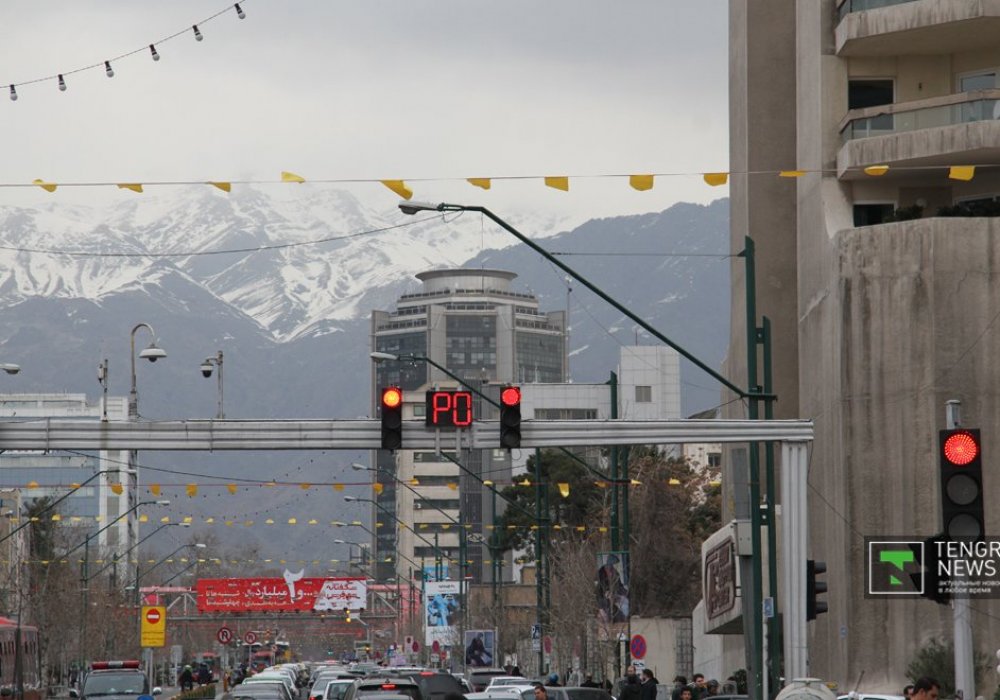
[{"x": 898, "y": 558}]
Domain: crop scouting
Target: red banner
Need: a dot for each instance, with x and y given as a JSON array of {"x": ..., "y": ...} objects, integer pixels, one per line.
[{"x": 280, "y": 594}]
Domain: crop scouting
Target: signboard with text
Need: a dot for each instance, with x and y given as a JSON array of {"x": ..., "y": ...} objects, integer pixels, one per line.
[
  {"x": 287, "y": 594},
  {"x": 153, "y": 626}
]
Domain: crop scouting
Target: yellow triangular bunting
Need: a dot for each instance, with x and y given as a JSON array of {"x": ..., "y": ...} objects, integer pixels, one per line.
[
  {"x": 715, "y": 179},
  {"x": 962, "y": 172},
  {"x": 558, "y": 183},
  {"x": 399, "y": 187},
  {"x": 154, "y": 489},
  {"x": 192, "y": 490},
  {"x": 791, "y": 173},
  {"x": 291, "y": 177},
  {"x": 231, "y": 488},
  {"x": 117, "y": 489},
  {"x": 224, "y": 186},
  {"x": 641, "y": 182},
  {"x": 47, "y": 186},
  {"x": 481, "y": 182},
  {"x": 876, "y": 170},
  {"x": 134, "y": 186}
]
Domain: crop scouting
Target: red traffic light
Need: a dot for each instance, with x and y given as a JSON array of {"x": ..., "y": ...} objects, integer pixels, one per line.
[
  {"x": 960, "y": 449},
  {"x": 392, "y": 397},
  {"x": 510, "y": 396}
]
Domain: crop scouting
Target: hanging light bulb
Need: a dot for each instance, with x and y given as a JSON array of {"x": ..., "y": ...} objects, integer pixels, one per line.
[
  {"x": 197, "y": 33},
  {"x": 108, "y": 69},
  {"x": 13, "y": 94},
  {"x": 62, "y": 83},
  {"x": 152, "y": 52},
  {"x": 239, "y": 11}
]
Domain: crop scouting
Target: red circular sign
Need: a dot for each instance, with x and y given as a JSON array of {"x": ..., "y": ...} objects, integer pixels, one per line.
[
  {"x": 416, "y": 646},
  {"x": 153, "y": 616},
  {"x": 250, "y": 638},
  {"x": 224, "y": 635},
  {"x": 435, "y": 646},
  {"x": 638, "y": 646}
]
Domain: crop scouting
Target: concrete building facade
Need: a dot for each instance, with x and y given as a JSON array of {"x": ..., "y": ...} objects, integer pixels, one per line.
[{"x": 877, "y": 266}]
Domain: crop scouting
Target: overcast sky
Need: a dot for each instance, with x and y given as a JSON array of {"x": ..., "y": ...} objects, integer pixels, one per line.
[{"x": 342, "y": 89}]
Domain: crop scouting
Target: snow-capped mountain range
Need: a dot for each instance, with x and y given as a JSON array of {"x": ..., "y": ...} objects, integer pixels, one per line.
[{"x": 286, "y": 287}]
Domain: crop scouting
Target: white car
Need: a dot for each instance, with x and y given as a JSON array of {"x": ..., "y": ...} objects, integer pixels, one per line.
[
  {"x": 507, "y": 680},
  {"x": 275, "y": 677}
]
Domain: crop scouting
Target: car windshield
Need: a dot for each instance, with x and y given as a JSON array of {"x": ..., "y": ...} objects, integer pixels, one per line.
[{"x": 132, "y": 683}]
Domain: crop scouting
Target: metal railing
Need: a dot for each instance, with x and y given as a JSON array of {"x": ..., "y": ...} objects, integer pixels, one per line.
[
  {"x": 849, "y": 6},
  {"x": 921, "y": 118}
]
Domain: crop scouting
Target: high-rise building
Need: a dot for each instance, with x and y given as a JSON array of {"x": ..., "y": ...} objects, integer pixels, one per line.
[
  {"x": 877, "y": 264},
  {"x": 475, "y": 324}
]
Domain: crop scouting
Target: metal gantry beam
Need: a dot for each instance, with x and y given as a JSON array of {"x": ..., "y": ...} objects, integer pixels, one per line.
[{"x": 365, "y": 434}]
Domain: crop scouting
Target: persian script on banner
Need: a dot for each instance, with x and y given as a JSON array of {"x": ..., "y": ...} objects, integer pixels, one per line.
[{"x": 287, "y": 594}]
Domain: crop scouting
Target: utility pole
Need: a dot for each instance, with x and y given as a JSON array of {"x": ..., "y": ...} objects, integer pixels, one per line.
[{"x": 965, "y": 677}]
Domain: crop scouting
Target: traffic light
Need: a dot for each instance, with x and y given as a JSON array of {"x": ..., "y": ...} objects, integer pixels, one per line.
[
  {"x": 930, "y": 578},
  {"x": 814, "y": 587},
  {"x": 961, "y": 458},
  {"x": 510, "y": 417},
  {"x": 392, "y": 418}
]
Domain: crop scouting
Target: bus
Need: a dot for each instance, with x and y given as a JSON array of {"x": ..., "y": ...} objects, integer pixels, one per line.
[{"x": 20, "y": 666}]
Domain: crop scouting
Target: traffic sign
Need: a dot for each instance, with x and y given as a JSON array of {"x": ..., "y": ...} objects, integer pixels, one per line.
[
  {"x": 153, "y": 626},
  {"x": 638, "y": 646},
  {"x": 416, "y": 646},
  {"x": 547, "y": 644},
  {"x": 250, "y": 637},
  {"x": 224, "y": 635},
  {"x": 436, "y": 646}
]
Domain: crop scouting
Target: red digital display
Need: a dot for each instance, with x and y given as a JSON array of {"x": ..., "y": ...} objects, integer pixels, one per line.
[{"x": 449, "y": 409}]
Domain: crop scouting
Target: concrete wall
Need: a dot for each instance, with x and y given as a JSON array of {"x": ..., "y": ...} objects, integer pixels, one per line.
[
  {"x": 715, "y": 655},
  {"x": 668, "y": 645}
]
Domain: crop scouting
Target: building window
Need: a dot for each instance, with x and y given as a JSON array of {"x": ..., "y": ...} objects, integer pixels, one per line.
[
  {"x": 644, "y": 394},
  {"x": 715, "y": 459},
  {"x": 872, "y": 214},
  {"x": 869, "y": 92}
]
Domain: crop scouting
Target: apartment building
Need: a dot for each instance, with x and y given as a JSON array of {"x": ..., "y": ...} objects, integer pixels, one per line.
[{"x": 877, "y": 266}]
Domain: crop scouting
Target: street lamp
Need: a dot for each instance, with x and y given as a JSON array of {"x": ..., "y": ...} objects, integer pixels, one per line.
[
  {"x": 206, "y": 372},
  {"x": 10, "y": 368},
  {"x": 138, "y": 575}
]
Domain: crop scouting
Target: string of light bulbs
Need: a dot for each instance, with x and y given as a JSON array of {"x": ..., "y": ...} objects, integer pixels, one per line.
[{"x": 109, "y": 70}]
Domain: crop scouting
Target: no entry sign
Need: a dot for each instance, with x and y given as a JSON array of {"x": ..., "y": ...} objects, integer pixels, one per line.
[
  {"x": 153, "y": 626},
  {"x": 153, "y": 615}
]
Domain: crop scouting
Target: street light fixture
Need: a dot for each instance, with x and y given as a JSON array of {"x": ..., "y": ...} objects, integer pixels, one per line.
[
  {"x": 10, "y": 368},
  {"x": 206, "y": 371}
]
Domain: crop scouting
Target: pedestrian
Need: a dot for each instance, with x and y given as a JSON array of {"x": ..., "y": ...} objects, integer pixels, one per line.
[
  {"x": 553, "y": 680},
  {"x": 686, "y": 693},
  {"x": 631, "y": 690},
  {"x": 647, "y": 685},
  {"x": 187, "y": 679},
  {"x": 713, "y": 687},
  {"x": 589, "y": 681},
  {"x": 540, "y": 692},
  {"x": 700, "y": 690},
  {"x": 908, "y": 691},
  {"x": 679, "y": 683},
  {"x": 925, "y": 688}
]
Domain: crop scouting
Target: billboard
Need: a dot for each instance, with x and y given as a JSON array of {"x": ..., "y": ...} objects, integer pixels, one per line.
[
  {"x": 611, "y": 584},
  {"x": 480, "y": 648},
  {"x": 443, "y": 603},
  {"x": 289, "y": 594}
]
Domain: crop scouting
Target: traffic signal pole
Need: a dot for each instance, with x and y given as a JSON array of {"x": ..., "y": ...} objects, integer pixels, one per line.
[{"x": 965, "y": 677}]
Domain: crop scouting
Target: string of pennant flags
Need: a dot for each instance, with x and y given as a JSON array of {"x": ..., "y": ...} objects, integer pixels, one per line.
[
  {"x": 217, "y": 561},
  {"x": 637, "y": 181},
  {"x": 192, "y": 489}
]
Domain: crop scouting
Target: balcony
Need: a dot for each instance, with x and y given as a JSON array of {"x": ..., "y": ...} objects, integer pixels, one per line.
[
  {"x": 905, "y": 27},
  {"x": 959, "y": 129}
]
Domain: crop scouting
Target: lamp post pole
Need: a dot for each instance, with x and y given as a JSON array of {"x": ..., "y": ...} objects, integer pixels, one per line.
[
  {"x": 206, "y": 371},
  {"x": 151, "y": 353}
]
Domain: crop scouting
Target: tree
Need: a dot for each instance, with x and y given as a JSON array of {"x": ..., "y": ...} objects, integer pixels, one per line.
[{"x": 936, "y": 659}]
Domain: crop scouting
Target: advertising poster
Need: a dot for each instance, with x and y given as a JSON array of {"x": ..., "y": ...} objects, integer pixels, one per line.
[
  {"x": 611, "y": 586},
  {"x": 443, "y": 603},
  {"x": 480, "y": 648}
]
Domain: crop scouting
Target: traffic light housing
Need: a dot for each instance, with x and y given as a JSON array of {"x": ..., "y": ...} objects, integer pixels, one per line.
[
  {"x": 392, "y": 418},
  {"x": 961, "y": 466},
  {"x": 510, "y": 417},
  {"x": 814, "y": 587},
  {"x": 931, "y": 577}
]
